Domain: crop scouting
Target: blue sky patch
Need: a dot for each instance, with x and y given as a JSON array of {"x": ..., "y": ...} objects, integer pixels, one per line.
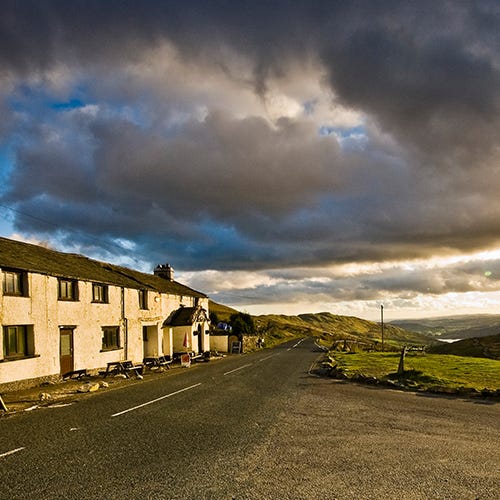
[{"x": 71, "y": 104}]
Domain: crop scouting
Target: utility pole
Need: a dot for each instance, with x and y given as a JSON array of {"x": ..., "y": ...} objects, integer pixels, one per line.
[{"x": 382, "y": 324}]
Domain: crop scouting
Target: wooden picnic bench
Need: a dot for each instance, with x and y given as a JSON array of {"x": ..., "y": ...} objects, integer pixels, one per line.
[
  {"x": 123, "y": 367},
  {"x": 157, "y": 361}
]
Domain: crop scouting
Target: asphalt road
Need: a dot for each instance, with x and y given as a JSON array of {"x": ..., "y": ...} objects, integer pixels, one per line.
[{"x": 253, "y": 426}]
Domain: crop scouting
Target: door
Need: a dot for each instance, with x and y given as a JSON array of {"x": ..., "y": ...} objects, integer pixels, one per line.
[
  {"x": 66, "y": 351},
  {"x": 150, "y": 341},
  {"x": 200, "y": 339}
]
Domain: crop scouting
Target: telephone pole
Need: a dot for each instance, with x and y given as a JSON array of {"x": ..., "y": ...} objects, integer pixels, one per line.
[{"x": 382, "y": 324}]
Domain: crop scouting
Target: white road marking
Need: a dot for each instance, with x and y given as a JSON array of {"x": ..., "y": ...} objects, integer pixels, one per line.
[
  {"x": 156, "y": 400},
  {"x": 11, "y": 452},
  {"x": 263, "y": 359},
  {"x": 236, "y": 369}
]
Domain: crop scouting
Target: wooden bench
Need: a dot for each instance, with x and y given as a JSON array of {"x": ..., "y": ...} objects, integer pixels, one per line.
[
  {"x": 158, "y": 361},
  {"x": 123, "y": 367},
  {"x": 136, "y": 369},
  {"x": 78, "y": 374}
]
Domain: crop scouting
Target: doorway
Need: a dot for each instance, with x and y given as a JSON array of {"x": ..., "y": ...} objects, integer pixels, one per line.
[
  {"x": 200, "y": 339},
  {"x": 66, "y": 350},
  {"x": 150, "y": 342}
]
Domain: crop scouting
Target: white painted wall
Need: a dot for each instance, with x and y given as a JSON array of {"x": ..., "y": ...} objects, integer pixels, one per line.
[
  {"x": 219, "y": 343},
  {"x": 47, "y": 314}
]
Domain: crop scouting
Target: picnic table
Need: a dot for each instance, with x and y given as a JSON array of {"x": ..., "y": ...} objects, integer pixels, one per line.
[
  {"x": 158, "y": 361},
  {"x": 124, "y": 367}
]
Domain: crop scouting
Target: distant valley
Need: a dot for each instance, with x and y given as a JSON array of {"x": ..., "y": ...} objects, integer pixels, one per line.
[{"x": 454, "y": 327}]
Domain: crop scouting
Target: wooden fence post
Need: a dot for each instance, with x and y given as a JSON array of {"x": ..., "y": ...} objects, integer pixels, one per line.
[{"x": 401, "y": 367}]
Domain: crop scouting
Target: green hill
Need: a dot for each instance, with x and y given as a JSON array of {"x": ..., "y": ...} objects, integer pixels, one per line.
[
  {"x": 331, "y": 328},
  {"x": 223, "y": 312},
  {"x": 480, "y": 347}
]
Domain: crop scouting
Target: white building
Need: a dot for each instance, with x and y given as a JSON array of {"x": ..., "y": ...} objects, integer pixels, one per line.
[{"x": 61, "y": 312}]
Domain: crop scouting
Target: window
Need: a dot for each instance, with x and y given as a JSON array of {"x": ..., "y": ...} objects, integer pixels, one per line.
[
  {"x": 68, "y": 289},
  {"x": 100, "y": 293},
  {"x": 143, "y": 299},
  {"x": 110, "y": 338},
  {"x": 17, "y": 341},
  {"x": 15, "y": 283}
]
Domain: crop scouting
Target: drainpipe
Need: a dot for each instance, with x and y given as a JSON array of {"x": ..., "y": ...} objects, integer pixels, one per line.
[{"x": 124, "y": 323}]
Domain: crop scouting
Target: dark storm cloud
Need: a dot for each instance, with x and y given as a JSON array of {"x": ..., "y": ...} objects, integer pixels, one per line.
[
  {"x": 427, "y": 72},
  {"x": 229, "y": 188}
]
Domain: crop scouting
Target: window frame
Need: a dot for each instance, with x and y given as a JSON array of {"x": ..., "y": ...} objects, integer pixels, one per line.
[
  {"x": 73, "y": 286},
  {"x": 24, "y": 341},
  {"x": 110, "y": 338},
  {"x": 101, "y": 297},
  {"x": 18, "y": 283},
  {"x": 143, "y": 299}
]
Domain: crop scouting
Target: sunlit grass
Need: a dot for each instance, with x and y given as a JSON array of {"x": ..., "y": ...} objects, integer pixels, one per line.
[{"x": 428, "y": 370}]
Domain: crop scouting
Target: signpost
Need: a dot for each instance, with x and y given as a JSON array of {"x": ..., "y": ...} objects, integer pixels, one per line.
[{"x": 185, "y": 360}]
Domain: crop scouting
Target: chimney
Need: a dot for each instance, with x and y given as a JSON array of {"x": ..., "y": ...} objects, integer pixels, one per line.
[{"x": 164, "y": 271}]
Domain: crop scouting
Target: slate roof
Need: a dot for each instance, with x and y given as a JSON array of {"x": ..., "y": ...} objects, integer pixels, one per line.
[
  {"x": 37, "y": 259},
  {"x": 184, "y": 316}
]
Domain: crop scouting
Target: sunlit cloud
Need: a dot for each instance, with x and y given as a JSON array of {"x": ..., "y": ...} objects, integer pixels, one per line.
[{"x": 341, "y": 158}]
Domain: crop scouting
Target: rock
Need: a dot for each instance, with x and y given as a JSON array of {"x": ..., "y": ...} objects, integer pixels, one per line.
[
  {"x": 88, "y": 387},
  {"x": 44, "y": 396},
  {"x": 103, "y": 385},
  {"x": 120, "y": 375}
]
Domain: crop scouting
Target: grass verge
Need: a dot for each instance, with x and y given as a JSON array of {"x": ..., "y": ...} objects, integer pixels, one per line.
[{"x": 435, "y": 372}]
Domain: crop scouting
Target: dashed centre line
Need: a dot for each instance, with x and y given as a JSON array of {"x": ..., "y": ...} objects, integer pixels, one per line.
[
  {"x": 239, "y": 368},
  {"x": 156, "y": 400},
  {"x": 11, "y": 452},
  {"x": 263, "y": 359}
]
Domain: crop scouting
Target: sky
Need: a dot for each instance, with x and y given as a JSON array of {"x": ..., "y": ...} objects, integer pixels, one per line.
[{"x": 283, "y": 156}]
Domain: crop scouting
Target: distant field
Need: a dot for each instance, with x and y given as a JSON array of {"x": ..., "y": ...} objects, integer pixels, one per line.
[{"x": 426, "y": 370}]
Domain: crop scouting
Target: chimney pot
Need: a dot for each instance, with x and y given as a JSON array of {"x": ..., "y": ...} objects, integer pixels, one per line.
[{"x": 164, "y": 271}]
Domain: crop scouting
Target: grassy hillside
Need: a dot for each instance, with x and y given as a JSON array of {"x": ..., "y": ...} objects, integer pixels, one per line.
[
  {"x": 484, "y": 347},
  {"x": 223, "y": 312},
  {"x": 359, "y": 334},
  {"x": 330, "y": 328}
]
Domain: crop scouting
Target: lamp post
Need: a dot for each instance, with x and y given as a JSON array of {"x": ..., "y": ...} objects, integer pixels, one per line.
[{"x": 382, "y": 324}]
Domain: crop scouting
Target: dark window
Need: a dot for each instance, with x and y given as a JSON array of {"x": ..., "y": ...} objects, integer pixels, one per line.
[
  {"x": 17, "y": 341},
  {"x": 143, "y": 299},
  {"x": 15, "y": 283},
  {"x": 68, "y": 289},
  {"x": 110, "y": 338},
  {"x": 100, "y": 293}
]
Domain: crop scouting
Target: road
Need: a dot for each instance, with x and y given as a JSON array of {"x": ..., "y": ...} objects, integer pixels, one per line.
[{"x": 253, "y": 426}]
